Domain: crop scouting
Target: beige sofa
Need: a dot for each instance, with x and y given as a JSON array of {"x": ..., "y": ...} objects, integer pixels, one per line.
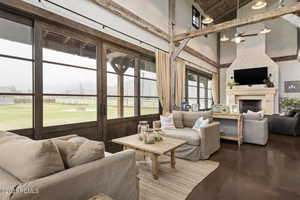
[
  {"x": 201, "y": 143},
  {"x": 113, "y": 175}
]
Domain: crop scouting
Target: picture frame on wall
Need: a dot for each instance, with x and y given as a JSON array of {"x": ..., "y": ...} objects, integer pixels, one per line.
[{"x": 234, "y": 108}]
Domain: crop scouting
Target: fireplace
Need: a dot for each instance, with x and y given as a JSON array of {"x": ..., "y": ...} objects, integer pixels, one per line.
[{"x": 253, "y": 105}]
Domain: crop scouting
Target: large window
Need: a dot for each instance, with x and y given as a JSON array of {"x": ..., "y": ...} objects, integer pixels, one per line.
[
  {"x": 149, "y": 100},
  {"x": 16, "y": 69},
  {"x": 198, "y": 90},
  {"x": 128, "y": 95},
  {"x": 122, "y": 96},
  {"x": 69, "y": 80}
]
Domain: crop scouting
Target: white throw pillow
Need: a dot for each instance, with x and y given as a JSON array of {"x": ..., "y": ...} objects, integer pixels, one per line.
[
  {"x": 260, "y": 114},
  {"x": 200, "y": 123},
  {"x": 167, "y": 122}
]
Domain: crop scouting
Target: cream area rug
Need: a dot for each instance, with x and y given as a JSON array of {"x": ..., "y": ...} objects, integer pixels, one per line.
[{"x": 173, "y": 184}]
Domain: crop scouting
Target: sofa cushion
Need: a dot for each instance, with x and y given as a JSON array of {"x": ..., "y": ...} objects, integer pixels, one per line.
[
  {"x": 178, "y": 119},
  {"x": 191, "y": 136},
  {"x": 28, "y": 159},
  {"x": 7, "y": 184},
  {"x": 189, "y": 118},
  {"x": 78, "y": 151}
]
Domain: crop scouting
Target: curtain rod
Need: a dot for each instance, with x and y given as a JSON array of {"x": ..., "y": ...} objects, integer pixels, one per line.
[{"x": 103, "y": 25}]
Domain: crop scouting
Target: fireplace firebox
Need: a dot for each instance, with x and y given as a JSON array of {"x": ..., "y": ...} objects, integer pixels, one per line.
[{"x": 253, "y": 105}]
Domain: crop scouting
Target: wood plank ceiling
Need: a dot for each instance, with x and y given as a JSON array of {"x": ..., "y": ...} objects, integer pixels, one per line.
[{"x": 221, "y": 10}]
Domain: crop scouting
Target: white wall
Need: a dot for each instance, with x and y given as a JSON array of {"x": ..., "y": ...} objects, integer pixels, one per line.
[
  {"x": 154, "y": 11},
  {"x": 282, "y": 41},
  {"x": 289, "y": 71}
]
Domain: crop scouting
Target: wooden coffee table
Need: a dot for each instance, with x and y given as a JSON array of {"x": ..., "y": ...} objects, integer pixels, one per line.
[{"x": 152, "y": 150}]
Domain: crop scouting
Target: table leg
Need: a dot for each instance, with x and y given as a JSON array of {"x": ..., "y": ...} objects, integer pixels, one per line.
[
  {"x": 239, "y": 132},
  {"x": 173, "y": 161},
  {"x": 154, "y": 158}
]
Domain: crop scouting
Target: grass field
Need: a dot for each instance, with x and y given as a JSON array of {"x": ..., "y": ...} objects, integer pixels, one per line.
[{"x": 19, "y": 116}]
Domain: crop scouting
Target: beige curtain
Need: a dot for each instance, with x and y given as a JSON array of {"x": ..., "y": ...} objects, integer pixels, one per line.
[
  {"x": 163, "y": 79},
  {"x": 215, "y": 88},
  {"x": 180, "y": 83}
]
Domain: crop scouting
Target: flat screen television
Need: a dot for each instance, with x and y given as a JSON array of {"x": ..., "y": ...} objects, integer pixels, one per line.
[{"x": 251, "y": 76}]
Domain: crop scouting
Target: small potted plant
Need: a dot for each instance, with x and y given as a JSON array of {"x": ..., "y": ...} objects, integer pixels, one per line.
[
  {"x": 231, "y": 84},
  {"x": 290, "y": 103}
]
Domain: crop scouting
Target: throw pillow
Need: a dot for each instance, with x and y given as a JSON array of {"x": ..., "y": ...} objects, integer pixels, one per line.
[
  {"x": 200, "y": 123},
  {"x": 177, "y": 117},
  {"x": 79, "y": 150},
  {"x": 28, "y": 159},
  {"x": 167, "y": 122},
  {"x": 250, "y": 115}
]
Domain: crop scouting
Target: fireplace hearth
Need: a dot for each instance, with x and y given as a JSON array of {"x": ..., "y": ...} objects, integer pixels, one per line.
[{"x": 253, "y": 105}]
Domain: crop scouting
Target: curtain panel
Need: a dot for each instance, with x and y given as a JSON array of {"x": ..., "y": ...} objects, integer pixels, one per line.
[
  {"x": 180, "y": 83},
  {"x": 215, "y": 88},
  {"x": 163, "y": 79}
]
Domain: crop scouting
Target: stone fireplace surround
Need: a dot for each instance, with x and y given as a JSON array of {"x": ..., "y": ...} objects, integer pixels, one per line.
[{"x": 265, "y": 95}]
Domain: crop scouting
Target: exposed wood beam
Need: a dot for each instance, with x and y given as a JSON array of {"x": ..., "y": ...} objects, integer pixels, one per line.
[
  {"x": 216, "y": 5},
  {"x": 181, "y": 47},
  {"x": 123, "y": 12},
  {"x": 200, "y": 56},
  {"x": 173, "y": 69},
  {"x": 241, "y": 22},
  {"x": 232, "y": 10}
]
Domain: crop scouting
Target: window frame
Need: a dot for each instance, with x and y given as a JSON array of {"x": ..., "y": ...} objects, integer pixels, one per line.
[
  {"x": 30, "y": 23},
  {"x": 200, "y": 75},
  {"x": 137, "y": 82},
  {"x": 52, "y": 28},
  {"x": 149, "y": 79}
]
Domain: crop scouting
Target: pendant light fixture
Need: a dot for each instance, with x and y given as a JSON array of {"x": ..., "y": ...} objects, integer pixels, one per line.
[
  {"x": 238, "y": 39},
  {"x": 224, "y": 38},
  {"x": 207, "y": 20},
  {"x": 266, "y": 30},
  {"x": 259, "y": 4}
]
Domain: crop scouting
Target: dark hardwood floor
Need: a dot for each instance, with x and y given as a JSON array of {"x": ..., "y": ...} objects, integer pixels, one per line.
[{"x": 254, "y": 172}]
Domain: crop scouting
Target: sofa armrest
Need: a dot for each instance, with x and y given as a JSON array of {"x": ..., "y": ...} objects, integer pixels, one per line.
[
  {"x": 156, "y": 124},
  {"x": 114, "y": 175},
  {"x": 210, "y": 139}
]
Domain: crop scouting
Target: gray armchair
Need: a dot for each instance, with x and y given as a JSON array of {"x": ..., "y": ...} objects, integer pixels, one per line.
[{"x": 256, "y": 131}]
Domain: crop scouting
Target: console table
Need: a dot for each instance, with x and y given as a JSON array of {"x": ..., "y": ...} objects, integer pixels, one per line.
[{"x": 239, "y": 119}]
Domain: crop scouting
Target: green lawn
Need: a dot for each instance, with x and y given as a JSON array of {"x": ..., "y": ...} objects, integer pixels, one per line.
[{"x": 19, "y": 116}]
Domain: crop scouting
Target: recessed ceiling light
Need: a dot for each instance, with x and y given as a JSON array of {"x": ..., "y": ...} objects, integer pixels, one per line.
[
  {"x": 259, "y": 4},
  {"x": 224, "y": 38},
  {"x": 265, "y": 30},
  {"x": 207, "y": 20}
]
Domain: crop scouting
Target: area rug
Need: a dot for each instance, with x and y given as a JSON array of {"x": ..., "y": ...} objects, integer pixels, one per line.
[{"x": 175, "y": 184}]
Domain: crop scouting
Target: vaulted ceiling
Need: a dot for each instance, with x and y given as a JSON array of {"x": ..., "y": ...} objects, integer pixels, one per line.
[{"x": 221, "y": 10}]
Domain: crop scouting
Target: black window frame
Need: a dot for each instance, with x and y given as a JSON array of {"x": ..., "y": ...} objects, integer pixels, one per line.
[{"x": 200, "y": 75}]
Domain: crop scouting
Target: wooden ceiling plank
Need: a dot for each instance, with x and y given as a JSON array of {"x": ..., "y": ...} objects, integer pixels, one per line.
[{"x": 240, "y": 22}]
